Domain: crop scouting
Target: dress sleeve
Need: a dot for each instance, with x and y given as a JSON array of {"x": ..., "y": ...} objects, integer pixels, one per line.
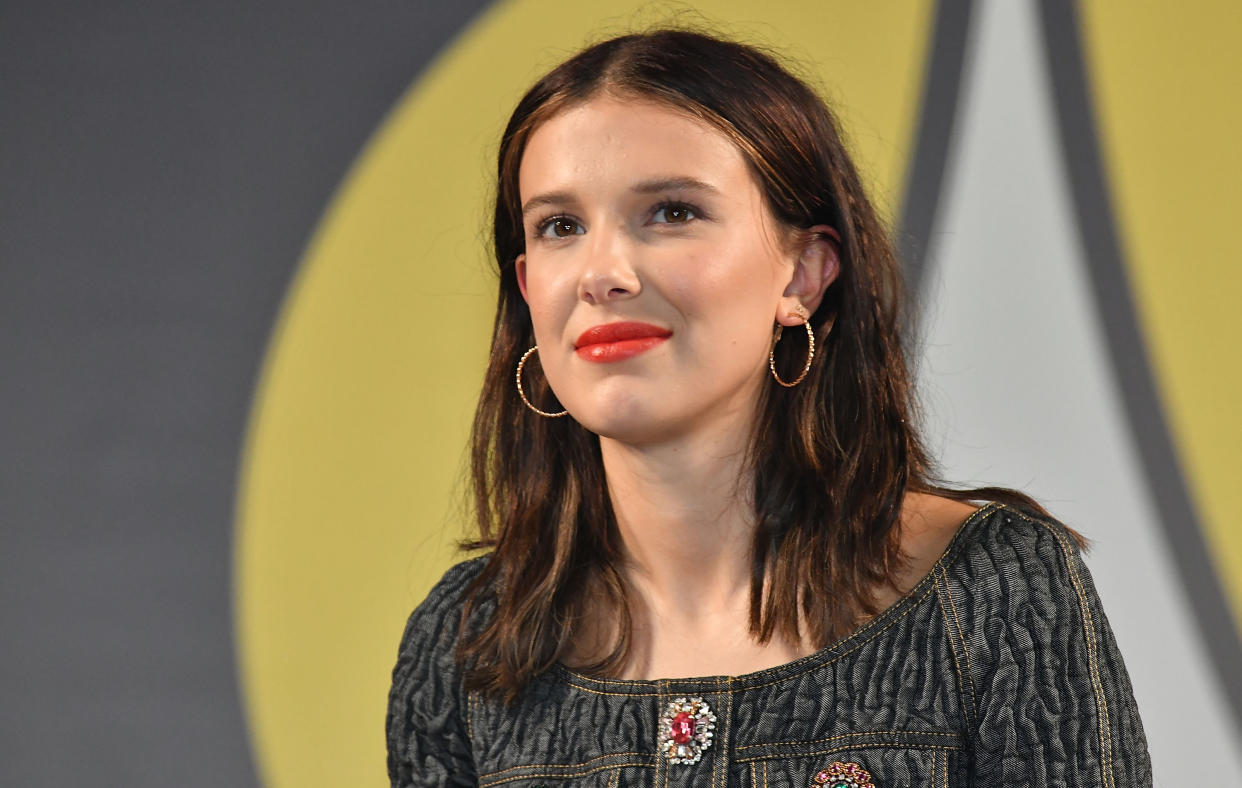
[
  {"x": 1053, "y": 705},
  {"x": 428, "y": 744}
]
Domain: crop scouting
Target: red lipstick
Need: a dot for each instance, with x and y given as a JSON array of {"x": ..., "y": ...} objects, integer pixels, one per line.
[{"x": 619, "y": 341}]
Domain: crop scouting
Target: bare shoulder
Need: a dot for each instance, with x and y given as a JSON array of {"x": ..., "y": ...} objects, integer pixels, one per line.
[{"x": 928, "y": 524}]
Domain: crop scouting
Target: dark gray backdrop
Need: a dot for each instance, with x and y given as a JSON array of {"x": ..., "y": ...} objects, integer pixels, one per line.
[{"x": 161, "y": 165}]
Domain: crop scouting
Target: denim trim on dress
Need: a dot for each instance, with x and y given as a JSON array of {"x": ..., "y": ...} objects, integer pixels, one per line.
[
  {"x": 864, "y": 740},
  {"x": 563, "y": 771},
  {"x": 1088, "y": 623},
  {"x": 965, "y": 681}
]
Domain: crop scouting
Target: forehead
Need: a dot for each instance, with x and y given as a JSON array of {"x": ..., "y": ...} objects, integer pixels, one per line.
[{"x": 609, "y": 140}]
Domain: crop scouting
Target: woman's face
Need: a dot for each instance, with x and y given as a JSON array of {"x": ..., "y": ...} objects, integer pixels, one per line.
[{"x": 653, "y": 270}]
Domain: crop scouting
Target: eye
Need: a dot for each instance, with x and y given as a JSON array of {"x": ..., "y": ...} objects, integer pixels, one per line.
[
  {"x": 674, "y": 213},
  {"x": 558, "y": 227}
]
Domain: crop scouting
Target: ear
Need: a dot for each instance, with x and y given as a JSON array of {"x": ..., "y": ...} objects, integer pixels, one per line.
[
  {"x": 519, "y": 268},
  {"x": 817, "y": 267}
]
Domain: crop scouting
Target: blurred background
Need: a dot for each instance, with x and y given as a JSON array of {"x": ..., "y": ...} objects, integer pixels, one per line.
[{"x": 245, "y": 301}]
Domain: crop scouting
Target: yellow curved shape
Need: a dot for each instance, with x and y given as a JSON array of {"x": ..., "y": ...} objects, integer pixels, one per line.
[
  {"x": 1165, "y": 82},
  {"x": 352, "y": 472}
]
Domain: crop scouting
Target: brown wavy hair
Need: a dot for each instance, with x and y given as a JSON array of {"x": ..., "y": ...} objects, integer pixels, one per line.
[{"x": 832, "y": 458}]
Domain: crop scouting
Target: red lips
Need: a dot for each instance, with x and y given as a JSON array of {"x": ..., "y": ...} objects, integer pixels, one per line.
[{"x": 619, "y": 341}]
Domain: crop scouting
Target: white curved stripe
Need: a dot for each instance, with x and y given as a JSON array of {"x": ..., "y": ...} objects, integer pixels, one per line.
[{"x": 1018, "y": 388}]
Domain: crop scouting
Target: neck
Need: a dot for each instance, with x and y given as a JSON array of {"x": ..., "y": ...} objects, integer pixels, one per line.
[{"x": 686, "y": 518}]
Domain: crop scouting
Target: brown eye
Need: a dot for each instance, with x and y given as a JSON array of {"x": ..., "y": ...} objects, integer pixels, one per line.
[
  {"x": 674, "y": 213},
  {"x": 558, "y": 227}
]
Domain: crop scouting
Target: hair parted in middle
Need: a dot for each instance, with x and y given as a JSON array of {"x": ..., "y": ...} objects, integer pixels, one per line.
[{"x": 832, "y": 458}]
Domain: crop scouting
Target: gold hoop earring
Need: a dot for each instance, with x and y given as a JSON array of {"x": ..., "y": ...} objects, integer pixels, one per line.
[
  {"x": 810, "y": 354},
  {"x": 522, "y": 394}
]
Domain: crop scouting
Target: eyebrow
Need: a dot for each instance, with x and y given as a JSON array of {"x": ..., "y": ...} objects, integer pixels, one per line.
[{"x": 649, "y": 186}]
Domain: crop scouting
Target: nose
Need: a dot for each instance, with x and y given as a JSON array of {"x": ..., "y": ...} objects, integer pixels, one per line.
[{"x": 609, "y": 273}]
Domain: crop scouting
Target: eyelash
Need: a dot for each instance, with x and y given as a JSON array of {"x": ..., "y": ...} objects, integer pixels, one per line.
[{"x": 541, "y": 227}]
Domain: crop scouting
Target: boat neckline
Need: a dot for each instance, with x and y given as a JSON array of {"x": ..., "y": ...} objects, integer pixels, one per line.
[{"x": 795, "y": 667}]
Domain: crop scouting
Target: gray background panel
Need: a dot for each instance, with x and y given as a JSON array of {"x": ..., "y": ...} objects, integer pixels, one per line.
[{"x": 161, "y": 165}]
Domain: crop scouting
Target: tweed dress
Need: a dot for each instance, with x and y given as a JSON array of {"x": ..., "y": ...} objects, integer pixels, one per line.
[{"x": 997, "y": 669}]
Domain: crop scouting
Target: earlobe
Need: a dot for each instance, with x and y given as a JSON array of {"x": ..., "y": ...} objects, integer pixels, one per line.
[{"x": 519, "y": 268}]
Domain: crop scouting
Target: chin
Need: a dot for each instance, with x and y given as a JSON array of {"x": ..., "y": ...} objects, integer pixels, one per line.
[
  {"x": 623, "y": 430},
  {"x": 628, "y": 422}
]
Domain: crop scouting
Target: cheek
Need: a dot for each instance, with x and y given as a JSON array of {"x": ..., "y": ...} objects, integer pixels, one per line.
[
  {"x": 550, "y": 296},
  {"x": 729, "y": 307},
  {"x": 739, "y": 284}
]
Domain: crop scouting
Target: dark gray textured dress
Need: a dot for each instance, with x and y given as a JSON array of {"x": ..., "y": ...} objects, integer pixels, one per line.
[{"x": 997, "y": 669}]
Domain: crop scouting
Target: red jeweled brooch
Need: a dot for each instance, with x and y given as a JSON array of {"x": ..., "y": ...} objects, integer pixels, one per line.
[
  {"x": 842, "y": 775},
  {"x": 686, "y": 728}
]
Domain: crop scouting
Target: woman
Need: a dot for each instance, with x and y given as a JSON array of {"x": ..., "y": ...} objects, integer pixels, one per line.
[{"x": 718, "y": 556}]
